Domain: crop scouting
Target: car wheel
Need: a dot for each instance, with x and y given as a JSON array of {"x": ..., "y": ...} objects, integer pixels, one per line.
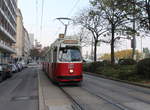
[
  {"x": 9, "y": 74},
  {"x": 4, "y": 76},
  {"x": 1, "y": 78}
]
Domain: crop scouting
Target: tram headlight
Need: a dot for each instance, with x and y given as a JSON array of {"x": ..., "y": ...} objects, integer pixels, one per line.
[{"x": 71, "y": 71}]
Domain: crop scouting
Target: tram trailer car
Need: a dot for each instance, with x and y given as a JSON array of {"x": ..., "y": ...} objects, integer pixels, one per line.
[{"x": 63, "y": 61}]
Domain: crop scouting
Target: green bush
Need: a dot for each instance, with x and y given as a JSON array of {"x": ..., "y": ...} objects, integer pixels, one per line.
[
  {"x": 127, "y": 62},
  {"x": 85, "y": 67},
  {"x": 123, "y": 72},
  {"x": 106, "y": 62},
  {"x": 127, "y": 72},
  {"x": 92, "y": 67},
  {"x": 143, "y": 68}
]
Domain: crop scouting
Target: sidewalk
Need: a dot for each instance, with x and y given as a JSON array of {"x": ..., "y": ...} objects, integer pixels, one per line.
[{"x": 50, "y": 96}]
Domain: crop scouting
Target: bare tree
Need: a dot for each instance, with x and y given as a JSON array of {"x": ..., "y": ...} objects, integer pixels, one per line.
[
  {"x": 84, "y": 36},
  {"x": 92, "y": 21},
  {"x": 116, "y": 13},
  {"x": 144, "y": 19}
]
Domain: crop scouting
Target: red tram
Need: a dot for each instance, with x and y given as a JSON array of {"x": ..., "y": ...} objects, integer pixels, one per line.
[{"x": 63, "y": 61}]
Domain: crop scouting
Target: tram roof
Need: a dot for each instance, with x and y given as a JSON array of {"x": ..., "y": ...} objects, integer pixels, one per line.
[
  {"x": 67, "y": 40},
  {"x": 61, "y": 40}
]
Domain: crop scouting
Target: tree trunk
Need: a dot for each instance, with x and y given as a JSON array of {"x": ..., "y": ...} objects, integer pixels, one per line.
[
  {"x": 148, "y": 12},
  {"x": 95, "y": 51},
  {"x": 112, "y": 45},
  {"x": 149, "y": 19},
  {"x": 133, "y": 48}
]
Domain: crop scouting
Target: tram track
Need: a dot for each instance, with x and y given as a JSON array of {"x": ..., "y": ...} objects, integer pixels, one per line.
[
  {"x": 123, "y": 93},
  {"x": 120, "y": 106},
  {"x": 78, "y": 106},
  {"x": 121, "y": 84}
]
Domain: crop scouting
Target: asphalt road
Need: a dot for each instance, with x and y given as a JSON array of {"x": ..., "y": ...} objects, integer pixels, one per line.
[
  {"x": 21, "y": 91},
  {"x": 101, "y": 94}
]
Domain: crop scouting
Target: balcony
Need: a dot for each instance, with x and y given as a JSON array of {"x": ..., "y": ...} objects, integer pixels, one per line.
[
  {"x": 14, "y": 4},
  {"x": 7, "y": 20},
  {"x": 10, "y": 11},
  {"x": 7, "y": 34},
  {"x": 6, "y": 48}
]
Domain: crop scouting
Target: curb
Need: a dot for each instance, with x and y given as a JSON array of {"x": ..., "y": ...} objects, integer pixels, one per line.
[
  {"x": 114, "y": 79},
  {"x": 42, "y": 105}
]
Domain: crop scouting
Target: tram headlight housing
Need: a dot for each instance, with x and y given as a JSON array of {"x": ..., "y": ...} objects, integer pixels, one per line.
[{"x": 71, "y": 71}]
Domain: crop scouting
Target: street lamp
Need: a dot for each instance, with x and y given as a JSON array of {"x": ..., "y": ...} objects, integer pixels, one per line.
[{"x": 62, "y": 20}]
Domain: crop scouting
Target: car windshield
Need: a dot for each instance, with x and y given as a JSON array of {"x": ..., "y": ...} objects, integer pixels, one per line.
[{"x": 69, "y": 55}]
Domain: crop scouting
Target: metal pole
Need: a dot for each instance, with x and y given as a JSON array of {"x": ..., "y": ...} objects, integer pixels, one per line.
[
  {"x": 141, "y": 47},
  {"x": 65, "y": 24},
  {"x": 65, "y": 30},
  {"x": 134, "y": 40},
  {"x": 92, "y": 50}
]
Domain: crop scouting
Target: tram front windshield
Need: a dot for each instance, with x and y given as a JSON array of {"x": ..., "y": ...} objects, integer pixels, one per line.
[{"x": 69, "y": 55}]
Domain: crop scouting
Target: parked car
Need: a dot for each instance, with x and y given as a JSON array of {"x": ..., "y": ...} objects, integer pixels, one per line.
[
  {"x": 87, "y": 61},
  {"x": 14, "y": 68},
  {"x": 2, "y": 73},
  {"x": 8, "y": 70},
  {"x": 19, "y": 66},
  {"x": 5, "y": 71},
  {"x": 24, "y": 64}
]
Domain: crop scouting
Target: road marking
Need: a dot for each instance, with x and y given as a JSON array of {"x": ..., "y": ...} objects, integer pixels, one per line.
[
  {"x": 64, "y": 107},
  {"x": 23, "y": 98}
]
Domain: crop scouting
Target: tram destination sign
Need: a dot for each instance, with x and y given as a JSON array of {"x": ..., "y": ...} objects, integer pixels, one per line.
[{"x": 70, "y": 42}]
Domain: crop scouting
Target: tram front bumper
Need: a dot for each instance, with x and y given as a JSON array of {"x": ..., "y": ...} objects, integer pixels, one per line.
[{"x": 69, "y": 78}]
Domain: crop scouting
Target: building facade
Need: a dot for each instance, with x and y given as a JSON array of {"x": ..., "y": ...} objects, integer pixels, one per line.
[
  {"x": 27, "y": 44},
  {"x": 23, "y": 42},
  {"x": 31, "y": 36},
  {"x": 7, "y": 29},
  {"x": 19, "y": 34}
]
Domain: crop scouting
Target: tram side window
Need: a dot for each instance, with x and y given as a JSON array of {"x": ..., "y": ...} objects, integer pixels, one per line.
[
  {"x": 55, "y": 55},
  {"x": 49, "y": 56}
]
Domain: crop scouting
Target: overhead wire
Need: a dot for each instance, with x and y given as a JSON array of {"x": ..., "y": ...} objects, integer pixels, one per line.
[
  {"x": 70, "y": 12},
  {"x": 41, "y": 27},
  {"x": 57, "y": 31},
  {"x": 36, "y": 19},
  {"x": 74, "y": 6}
]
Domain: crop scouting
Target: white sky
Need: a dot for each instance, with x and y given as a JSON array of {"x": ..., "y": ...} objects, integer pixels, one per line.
[
  {"x": 52, "y": 9},
  {"x": 51, "y": 27}
]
